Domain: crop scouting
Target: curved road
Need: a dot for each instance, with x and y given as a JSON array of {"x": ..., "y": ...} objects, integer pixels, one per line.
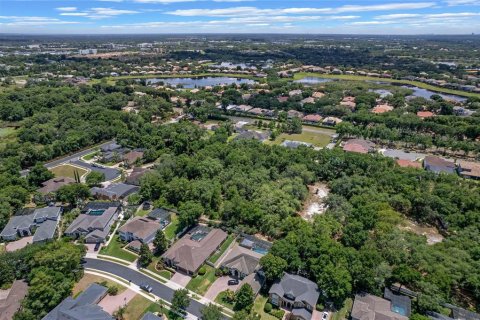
[{"x": 138, "y": 278}]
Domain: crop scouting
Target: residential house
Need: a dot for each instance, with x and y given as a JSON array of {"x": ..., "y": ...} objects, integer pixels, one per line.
[
  {"x": 193, "y": 249},
  {"x": 468, "y": 169},
  {"x": 369, "y": 307},
  {"x": 297, "y": 294},
  {"x": 359, "y": 146},
  {"x": 349, "y": 102},
  {"x": 136, "y": 175},
  {"x": 456, "y": 313},
  {"x": 408, "y": 163},
  {"x": 294, "y": 144},
  {"x": 114, "y": 191},
  {"x": 11, "y": 299},
  {"x": 252, "y": 135},
  {"x": 131, "y": 157},
  {"x": 242, "y": 108},
  {"x": 318, "y": 95},
  {"x": 41, "y": 223},
  {"x": 110, "y": 147},
  {"x": 312, "y": 118},
  {"x": 139, "y": 228},
  {"x": 52, "y": 185},
  {"x": 94, "y": 222},
  {"x": 162, "y": 215},
  {"x": 282, "y": 99},
  {"x": 241, "y": 262},
  {"x": 295, "y": 93},
  {"x": 308, "y": 100},
  {"x": 425, "y": 114},
  {"x": 84, "y": 306},
  {"x": 382, "y": 108},
  {"x": 151, "y": 316},
  {"x": 294, "y": 114},
  {"x": 331, "y": 121},
  {"x": 438, "y": 165}
]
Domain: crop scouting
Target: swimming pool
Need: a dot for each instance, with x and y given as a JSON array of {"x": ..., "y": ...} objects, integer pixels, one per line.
[
  {"x": 399, "y": 309},
  {"x": 260, "y": 250},
  {"x": 96, "y": 212}
]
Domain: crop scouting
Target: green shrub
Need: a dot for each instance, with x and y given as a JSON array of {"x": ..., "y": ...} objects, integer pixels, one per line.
[
  {"x": 319, "y": 307},
  {"x": 277, "y": 313},
  {"x": 202, "y": 271},
  {"x": 268, "y": 307},
  {"x": 112, "y": 290}
]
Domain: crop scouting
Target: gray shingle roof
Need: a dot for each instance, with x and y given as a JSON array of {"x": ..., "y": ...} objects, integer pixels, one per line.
[
  {"x": 115, "y": 190},
  {"x": 45, "y": 229},
  {"x": 160, "y": 214},
  {"x": 299, "y": 287},
  {"x": 242, "y": 259},
  {"x": 89, "y": 223},
  {"x": 150, "y": 316}
]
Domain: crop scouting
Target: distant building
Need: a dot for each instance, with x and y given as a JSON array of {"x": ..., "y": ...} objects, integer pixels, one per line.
[
  {"x": 54, "y": 184},
  {"x": 41, "y": 223},
  {"x": 331, "y": 121},
  {"x": 87, "y": 51},
  {"x": 370, "y": 307},
  {"x": 82, "y": 307},
  {"x": 359, "y": 146},
  {"x": 115, "y": 191},
  {"x": 297, "y": 294},
  {"x": 425, "y": 114},
  {"x": 438, "y": 165},
  {"x": 312, "y": 118},
  {"x": 382, "y": 108},
  {"x": 131, "y": 157},
  {"x": 139, "y": 228},
  {"x": 469, "y": 170},
  {"x": 136, "y": 175},
  {"x": 11, "y": 299},
  {"x": 408, "y": 163}
]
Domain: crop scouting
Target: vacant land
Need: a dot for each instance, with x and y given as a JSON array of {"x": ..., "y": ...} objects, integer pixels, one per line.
[
  {"x": 115, "y": 249},
  {"x": 200, "y": 284},
  {"x": 301, "y": 75},
  {"x": 91, "y": 278},
  {"x": 316, "y": 139},
  {"x": 66, "y": 170}
]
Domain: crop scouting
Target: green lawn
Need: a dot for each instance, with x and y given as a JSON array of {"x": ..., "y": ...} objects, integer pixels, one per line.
[
  {"x": 88, "y": 279},
  {"x": 258, "y": 306},
  {"x": 114, "y": 249},
  {"x": 301, "y": 75},
  {"x": 171, "y": 229},
  {"x": 2, "y": 248},
  {"x": 142, "y": 213},
  {"x": 220, "y": 299},
  {"x": 200, "y": 284},
  {"x": 342, "y": 313},
  {"x": 163, "y": 273},
  {"x": 66, "y": 170},
  {"x": 90, "y": 155},
  {"x": 315, "y": 138},
  {"x": 7, "y": 132},
  {"x": 222, "y": 249}
]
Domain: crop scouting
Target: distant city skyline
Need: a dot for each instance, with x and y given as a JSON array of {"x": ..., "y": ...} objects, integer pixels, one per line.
[{"x": 239, "y": 16}]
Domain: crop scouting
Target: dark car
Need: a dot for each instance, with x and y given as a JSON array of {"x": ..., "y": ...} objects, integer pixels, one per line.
[
  {"x": 233, "y": 282},
  {"x": 97, "y": 246},
  {"x": 146, "y": 287}
]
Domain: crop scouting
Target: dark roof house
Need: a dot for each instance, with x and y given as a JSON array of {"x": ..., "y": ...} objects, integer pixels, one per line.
[
  {"x": 94, "y": 223},
  {"x": 370, "y": 307},
  {"x": 11, "y": 299},
  {"x": 83, "y": 307},
  {"x": 136, "y": 175},
  {"x": 296, "y": 293},
  {"x": 438, "y": 165},
  {"x": 54, "y": 184},
  {"x": 241, "y": 261},
  {"x": 139, "y": 228},
  {"x": 114, "y": 191}
]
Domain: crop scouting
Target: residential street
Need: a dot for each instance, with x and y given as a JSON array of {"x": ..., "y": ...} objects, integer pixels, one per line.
[{"x": 139, "y": 278}]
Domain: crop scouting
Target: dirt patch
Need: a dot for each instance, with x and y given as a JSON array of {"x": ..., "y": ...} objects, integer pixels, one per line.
[
  {"x": 315, "y": 203},
  {"x": 432, "y": 234}
]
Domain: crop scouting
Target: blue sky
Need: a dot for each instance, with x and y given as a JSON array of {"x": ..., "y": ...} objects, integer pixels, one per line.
[{"x": 240, "y": 16}]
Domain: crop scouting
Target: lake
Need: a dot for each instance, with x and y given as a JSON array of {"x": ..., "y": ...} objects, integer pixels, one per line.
[
  {"x": 199, "y": 82},
  {"x": 424, "y": 93},
  {"x": 313, "y": 80}
]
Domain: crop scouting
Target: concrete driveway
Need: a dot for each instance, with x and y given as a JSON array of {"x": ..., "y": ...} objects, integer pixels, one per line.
[
  {"x": 91, "y": 247},
  {"x": 181, "y": 279},
  {"x": 112, "y": 303},
  {"x": 19, "y": 244},
  {"x": 221, "y": 284}
]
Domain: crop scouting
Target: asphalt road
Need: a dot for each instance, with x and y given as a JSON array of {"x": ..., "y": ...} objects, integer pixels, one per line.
[
  {"x": 138, "y": 278},
  {"x": 69, "y": 158},
  {"x": 109, "y": 173}
]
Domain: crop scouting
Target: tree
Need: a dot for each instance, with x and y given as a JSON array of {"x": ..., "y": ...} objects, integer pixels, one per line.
[
  {"x": 190, "y": 211},
  {"x": 244, "y": 298},
  {"x": 211, "y": 312},
  {"x": 180, "y": 301},
  {"x": 73, "y": 193},
  {"x": 38, "y": 174},
  {"x": 244, "y": 315},
  {"x": 160, "y": 243},
  {"x": 146, "y": 255},
  {"x": 94, "y": 178},
  {"x": 273, "y": 266}
]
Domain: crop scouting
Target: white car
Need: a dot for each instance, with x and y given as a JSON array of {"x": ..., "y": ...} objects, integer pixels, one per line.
[{"x": 325, "y": 315}]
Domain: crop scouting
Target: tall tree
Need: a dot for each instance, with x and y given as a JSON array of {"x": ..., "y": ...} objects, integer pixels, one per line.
[
  {"x": 273, "y": 266},
  {"x": 146, "y": 255},
  {"x": 211, "y": 312},
  {"x": 244, "y": 298},
  {"x": 160, "y": 243},
  {"x": 180, "y": 301},
  {"x": 39, "y": 174}
]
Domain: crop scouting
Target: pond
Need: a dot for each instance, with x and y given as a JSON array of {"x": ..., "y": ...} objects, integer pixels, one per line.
[
  {"x": 424, "y": 93},
  {"x": 313, "y": 80},
  {"x": 191, "y": 83}
]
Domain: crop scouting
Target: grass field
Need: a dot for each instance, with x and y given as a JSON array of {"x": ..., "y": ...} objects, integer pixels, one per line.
[
  {"x": 90, "y": 156},
  {"x": 91, "y": 278},
  {"x": 221, "y": 300},
  {"x": 342, "y": 313},
  {"x": 222, "y": 249},
  {"x": 171, "y": 229},
  {"x": 258, "y": 306},
  {"x": 66, "y": 170},
  {"x": 142, "y": 213},
  {"x": 301, "y": 75},
  {"x": 114, "y": 249},
  {"x": 7, "y": 135},
  {"x": 200, "y": 284},
  {"x": 317, "y": 139},
  {"x": 137, "y": 307},
  {"x": 163, "y": 273}
]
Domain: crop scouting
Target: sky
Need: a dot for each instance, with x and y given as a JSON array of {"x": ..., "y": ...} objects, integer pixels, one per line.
[{"x": 240, "y": 16}]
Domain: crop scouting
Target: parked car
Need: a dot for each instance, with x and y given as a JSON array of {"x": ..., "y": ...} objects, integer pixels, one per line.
[
  {"x": 233, "y": 282},
  {"x": 97, "y": 246},
  {"x": 146, "y": 287}
]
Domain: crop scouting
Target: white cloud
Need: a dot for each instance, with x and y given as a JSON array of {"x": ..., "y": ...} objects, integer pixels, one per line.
[
  {"x": 68, "y": 9},
  {"x": 13, "y": 21},
  {"x": 110, "y": 0},
  {"x": 99, "y": 13},
  {"x": 462, "y": 2},
  {"x": 370, "y": 23},
  {"x": 397, "y": 16},
  {"x": 163, "y": 1},
  {"x": 74, "y": 14}
]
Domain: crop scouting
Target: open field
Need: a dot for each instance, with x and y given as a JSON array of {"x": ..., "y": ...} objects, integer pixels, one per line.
[
  {"x": 66, "y": 170},
  {"x": 91, "y": 278},
  {"x": 301, "y": 75},
  {"x": 7, "y": 135},
  {"x": 317, "y": 139},
  {"x": 115, "y": 249}
]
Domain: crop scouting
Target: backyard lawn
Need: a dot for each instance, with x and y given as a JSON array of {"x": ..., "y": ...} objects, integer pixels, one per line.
[
  {"x": 342, "y": 313},
  {"x": 91, "y": 278},
  {"x": 200, "y": 284},
  {"x": 66, "y": 170},
  {"x": 114, "y": 249},
  {"x": 142, "y": 213},
  {"x": 315, "y": 138},
  {"x": 222, "y": 249},
  {"x": 171, "y": 229},
  {"x": 258, "y": 306}
]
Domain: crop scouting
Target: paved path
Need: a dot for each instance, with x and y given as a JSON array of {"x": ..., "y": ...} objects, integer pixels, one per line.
[
  {"x": 112, "y": 303},
  {"x": 159, "y": 289}
]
